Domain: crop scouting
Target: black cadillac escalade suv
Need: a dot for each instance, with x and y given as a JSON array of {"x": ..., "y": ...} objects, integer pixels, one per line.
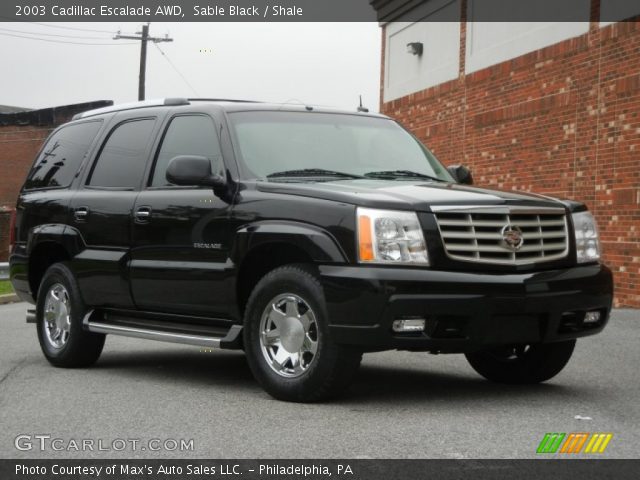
[{"x": 304, "y": 236}]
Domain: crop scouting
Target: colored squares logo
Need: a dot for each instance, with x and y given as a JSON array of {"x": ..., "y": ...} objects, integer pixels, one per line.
[
  {"x": 598, "y": 443},
  {"x": 579, "y": 442},
  {"x": 550, "y": 443},
  {"x": 574, "y": 443}
]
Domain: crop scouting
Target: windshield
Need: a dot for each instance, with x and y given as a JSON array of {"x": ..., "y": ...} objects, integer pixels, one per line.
[{"x": 298, "y": 146}]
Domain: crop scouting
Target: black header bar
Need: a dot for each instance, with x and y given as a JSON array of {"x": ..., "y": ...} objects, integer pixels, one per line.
[
  {"x": 318, "y": 469},
  {"x": 316, "y": 10}
]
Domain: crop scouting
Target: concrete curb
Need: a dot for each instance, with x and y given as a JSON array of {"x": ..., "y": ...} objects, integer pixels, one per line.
[{"x": 9, "y": 298}]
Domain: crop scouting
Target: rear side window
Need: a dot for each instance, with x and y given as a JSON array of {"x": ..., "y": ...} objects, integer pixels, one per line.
[
  {"x": 121, "y": 162},
  {"x": 187, "y": 135},
  {"x": 62, "y": 155}
]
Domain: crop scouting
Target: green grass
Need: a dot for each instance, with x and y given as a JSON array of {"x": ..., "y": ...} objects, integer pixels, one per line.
[{"x": 5, "y": 287}]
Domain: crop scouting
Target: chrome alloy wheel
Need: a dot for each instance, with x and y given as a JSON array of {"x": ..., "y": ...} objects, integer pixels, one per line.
[
  {"x": 57, "y": 316},
  {"x": 288, "y": 335}
]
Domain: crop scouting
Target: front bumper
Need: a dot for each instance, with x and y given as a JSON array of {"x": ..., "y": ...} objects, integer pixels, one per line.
[{"x": 463, "y": 311}]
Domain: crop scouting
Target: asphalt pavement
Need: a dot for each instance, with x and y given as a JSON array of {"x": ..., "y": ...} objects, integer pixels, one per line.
[{"x": 401, "y": 405}]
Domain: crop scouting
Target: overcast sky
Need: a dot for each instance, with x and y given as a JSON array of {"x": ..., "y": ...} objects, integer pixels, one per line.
[{"x": 316, "y": 63}]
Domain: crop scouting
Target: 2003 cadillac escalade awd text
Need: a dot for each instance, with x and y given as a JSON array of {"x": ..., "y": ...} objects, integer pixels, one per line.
[{"x": 304, "y": 236}]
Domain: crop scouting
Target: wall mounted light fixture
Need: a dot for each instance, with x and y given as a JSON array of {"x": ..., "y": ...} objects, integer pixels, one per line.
[{"x": 415, "y": 48}]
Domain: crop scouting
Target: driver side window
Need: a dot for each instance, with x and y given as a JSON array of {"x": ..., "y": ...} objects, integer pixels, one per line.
[{"x": 187, "y": 135}]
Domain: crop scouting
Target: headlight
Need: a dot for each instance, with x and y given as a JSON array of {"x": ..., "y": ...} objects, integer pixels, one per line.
[
  {"x": 587, "y": 241},
  {"x": 387, "y": 236}
]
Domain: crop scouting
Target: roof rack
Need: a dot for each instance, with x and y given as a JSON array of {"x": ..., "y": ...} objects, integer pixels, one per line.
[
  {"x": 133, "y": 105},
  {"x": 222, "y": 100}
]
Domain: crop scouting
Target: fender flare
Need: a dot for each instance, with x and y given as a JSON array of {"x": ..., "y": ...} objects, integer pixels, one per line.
[
  {"x": 319, "y": 244},
  {"x": 67, "y": 237}
]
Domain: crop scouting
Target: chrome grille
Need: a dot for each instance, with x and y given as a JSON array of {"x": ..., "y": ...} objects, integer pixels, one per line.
[{"x": 478, "y": 234}]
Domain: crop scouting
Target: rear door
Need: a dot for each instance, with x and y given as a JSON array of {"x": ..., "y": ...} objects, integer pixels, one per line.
[
  {"x": 181, "y": 234},
  {"x": 102, "y": 206}
]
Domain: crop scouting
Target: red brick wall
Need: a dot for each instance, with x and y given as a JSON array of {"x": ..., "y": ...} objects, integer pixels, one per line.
[
  {"x": 563, "y": 121},
  {"x": 18, "y": 147}
]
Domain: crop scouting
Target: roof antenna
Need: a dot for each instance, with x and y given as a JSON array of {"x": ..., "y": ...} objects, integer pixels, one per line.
[{"x": 361, "y": 108}]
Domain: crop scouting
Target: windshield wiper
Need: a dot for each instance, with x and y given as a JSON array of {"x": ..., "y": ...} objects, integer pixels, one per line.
[
  {"x": 393, "y": 174},
  {"x": 312, "y": 172}
]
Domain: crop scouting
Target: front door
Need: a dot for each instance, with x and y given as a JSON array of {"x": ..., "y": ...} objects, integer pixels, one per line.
[{"x": 181, "y": 234}]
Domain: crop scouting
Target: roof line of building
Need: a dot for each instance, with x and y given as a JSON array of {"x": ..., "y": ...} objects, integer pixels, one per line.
[{"x": 50, "y": 116}]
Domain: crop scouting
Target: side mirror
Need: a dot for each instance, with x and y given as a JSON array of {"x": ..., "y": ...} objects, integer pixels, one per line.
[
  {"x": 193, "y": 170},
  {"x": 461, "y": 174}
]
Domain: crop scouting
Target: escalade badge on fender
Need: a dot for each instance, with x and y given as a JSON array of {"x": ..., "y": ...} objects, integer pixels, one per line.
[{"x": 512, "y": 237}]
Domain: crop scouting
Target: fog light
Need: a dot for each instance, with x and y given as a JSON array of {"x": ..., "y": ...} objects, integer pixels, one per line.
[
  {"x": 409, "y": 325},
  {"x": 592, "y": 317}
]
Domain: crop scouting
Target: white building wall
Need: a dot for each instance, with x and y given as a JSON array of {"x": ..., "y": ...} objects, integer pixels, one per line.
[
  {"x": 489, "y": 43},
  {"x": 406, "y": 73}
]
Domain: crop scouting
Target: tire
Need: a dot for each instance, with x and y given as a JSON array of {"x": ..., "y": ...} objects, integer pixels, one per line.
[
  {"x": 59, "y": 314},
  {"x": 522, "y": 364},
  {"x": 287, "y": 340}
]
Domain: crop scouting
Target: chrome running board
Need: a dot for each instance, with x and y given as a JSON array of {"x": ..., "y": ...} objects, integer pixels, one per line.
[
  {"x": 198, "y": 340},
  {"x": 230, "y": 340}
]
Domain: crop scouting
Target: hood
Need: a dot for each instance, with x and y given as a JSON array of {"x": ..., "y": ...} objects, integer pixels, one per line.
[{"x": 410, "y": 195}]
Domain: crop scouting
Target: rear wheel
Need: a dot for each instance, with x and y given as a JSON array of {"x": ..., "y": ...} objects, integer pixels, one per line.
[
  {"x": 59, "y": 312},
  {"x": 522, "y": 363},
  {"x": 287, "y": 340}
]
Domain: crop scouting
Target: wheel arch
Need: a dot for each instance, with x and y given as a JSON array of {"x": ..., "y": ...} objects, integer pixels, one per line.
[
  {"x": 46, "y": 245},
  {"x": 264, "y": 246}
]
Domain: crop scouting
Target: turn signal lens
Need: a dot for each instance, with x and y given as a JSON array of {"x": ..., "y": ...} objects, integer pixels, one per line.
[{"x": 364, "y": 238}]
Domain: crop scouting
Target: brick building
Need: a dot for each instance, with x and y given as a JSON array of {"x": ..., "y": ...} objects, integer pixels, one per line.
[
  {"x": 22, "y": 133},
  {"x": 546, "y": 107}
]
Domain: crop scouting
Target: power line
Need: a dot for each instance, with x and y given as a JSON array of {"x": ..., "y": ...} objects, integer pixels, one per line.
[
  {"x": 13, "y": 20},
  {"x": 53, "y": 34},
  {"x": 176, "y": 69},
  {"x": 63, "y": 41},
  {"x": 73, "y": 28}
]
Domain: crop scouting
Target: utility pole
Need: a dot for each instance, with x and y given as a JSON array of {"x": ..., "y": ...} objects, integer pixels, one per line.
[
  {"x": 144, "y": 37},
  {"x": 143, "y": 61}
]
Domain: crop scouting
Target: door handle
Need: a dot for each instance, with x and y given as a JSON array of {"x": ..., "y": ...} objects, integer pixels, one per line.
[
  {"x": 143, "y": 214},
  {"x": 81, "y": 214}
]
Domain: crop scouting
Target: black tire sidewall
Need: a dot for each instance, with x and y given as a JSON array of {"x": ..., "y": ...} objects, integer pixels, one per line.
[
  {"x": 541, "y": 363},
  {"x": 303, "y": 283},
  {"x": 80, "y": 345}
]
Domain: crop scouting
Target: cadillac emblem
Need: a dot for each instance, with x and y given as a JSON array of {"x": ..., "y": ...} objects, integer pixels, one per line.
[{"x": 512, "y": 237}]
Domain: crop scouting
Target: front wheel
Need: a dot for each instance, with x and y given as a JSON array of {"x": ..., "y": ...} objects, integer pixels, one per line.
[
  {"x": 287, "y": 339},
  {"x": 522, "y": 364}
]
